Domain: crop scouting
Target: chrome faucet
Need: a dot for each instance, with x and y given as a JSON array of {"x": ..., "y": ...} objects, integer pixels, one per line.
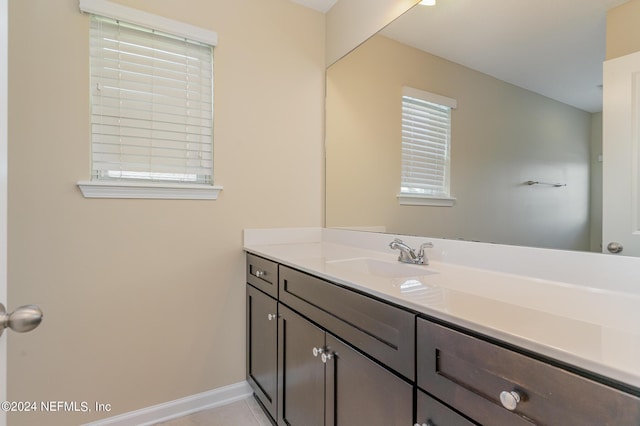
[{"x": 409, "y": 255}]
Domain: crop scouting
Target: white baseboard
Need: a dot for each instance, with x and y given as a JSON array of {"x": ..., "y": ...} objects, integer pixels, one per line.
[{"x": 179, "y": 407}]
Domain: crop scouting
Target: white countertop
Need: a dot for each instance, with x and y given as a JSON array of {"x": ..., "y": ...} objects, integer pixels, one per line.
[{"x": 593, "y": 328}]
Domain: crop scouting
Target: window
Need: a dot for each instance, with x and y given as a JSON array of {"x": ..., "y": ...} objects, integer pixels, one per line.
[
  {"x": 151, "y": 88},
  {"x": 426, "y": 140}
]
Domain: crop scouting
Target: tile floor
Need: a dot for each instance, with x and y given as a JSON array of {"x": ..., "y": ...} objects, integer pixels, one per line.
[{"x": 246, "y": 412}]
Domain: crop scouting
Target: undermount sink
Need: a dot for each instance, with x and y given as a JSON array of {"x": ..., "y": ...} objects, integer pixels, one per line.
[{"x": 382, "y": 268}]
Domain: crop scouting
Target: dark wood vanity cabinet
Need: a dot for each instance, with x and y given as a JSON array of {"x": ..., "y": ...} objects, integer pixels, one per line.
[
  {"x": 336, "y": 356},
  {"x": 300, "y": 367}
]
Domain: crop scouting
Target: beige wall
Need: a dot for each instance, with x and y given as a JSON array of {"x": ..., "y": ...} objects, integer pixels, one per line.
[
  {"x": 502, "y": 136},
  {"x": 144, "y": 299},
  {"x": 623, "y": 31}
]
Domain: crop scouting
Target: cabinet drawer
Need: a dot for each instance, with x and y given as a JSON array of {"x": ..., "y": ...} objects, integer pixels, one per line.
[
  {"x": 471, "y": 374},
  {"x": 431, "y": 412},
  {"x": 262, "y": 274},
  {"x": 382, "y": 331}
]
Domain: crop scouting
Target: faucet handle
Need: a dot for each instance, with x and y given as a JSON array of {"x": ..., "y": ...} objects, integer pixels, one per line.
[
  {"x": 407, "y": 254},
  {"x": 395, "y": 243},
  {"x": 421, "y": 254},
  {"x": 428, "y": 244}
]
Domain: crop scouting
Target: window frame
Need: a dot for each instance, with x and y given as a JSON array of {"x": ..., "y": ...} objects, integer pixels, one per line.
[
  {"x": 130, "y": 188},
  {"x": 425, "y": 199}
]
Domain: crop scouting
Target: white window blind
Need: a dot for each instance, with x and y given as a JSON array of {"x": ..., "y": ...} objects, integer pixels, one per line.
[
  {"x": 426, "y": 136},
  {"x": 151, "y": 104}
]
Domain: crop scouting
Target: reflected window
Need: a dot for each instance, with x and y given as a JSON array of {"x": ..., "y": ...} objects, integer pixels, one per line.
[{"x": 426, "y": 144}]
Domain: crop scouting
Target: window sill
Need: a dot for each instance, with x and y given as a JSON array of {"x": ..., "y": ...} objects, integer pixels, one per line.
[
  {"x": 425, "y": 200},
  {"x": 118, "y": 189}
]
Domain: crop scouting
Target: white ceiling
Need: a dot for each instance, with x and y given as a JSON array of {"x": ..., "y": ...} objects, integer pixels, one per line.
[
  {"x": 552, "y": 47},
  {"x": 320, "y": 5}
]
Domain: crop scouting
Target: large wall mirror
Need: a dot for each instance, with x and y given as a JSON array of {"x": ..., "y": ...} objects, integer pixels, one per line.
[{"x": 542, "y": 123}]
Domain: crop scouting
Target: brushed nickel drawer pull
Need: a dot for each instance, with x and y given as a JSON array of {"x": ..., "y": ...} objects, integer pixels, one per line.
[
  {"x": 511, "y": 399},
  {"x": 260, "y": 274}
]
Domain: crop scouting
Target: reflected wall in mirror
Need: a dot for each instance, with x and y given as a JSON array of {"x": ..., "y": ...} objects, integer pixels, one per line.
[{"x": 502, "y": 137}]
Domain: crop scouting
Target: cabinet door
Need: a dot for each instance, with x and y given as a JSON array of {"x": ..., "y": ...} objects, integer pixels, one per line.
[
  {"x": 301, "y": 374},
  {"x": 361, "y": 392},
  {"x": 431, "y": 412},
  {"x": 262, "y": 347}
]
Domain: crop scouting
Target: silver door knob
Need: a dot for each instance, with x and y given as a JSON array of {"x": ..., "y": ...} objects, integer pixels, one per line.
[
  {"x": 614, "y": 247},
  {"x": 271, "y": 317},
  {"x": 317, "y": 351},
  {"x": 23, "y": 319},
  {"x": 510, "y": 400},
  {"x": 260, "y": 273}
]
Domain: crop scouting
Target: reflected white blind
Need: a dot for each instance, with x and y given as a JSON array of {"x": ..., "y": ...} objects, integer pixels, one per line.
[
  {"x": 151, "y": 104},
  {"x": 426, "y": 131}
]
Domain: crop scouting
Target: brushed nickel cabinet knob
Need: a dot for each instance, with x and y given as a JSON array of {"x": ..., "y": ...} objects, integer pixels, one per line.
[
  {"x": 326, "y": 356},
  {"x": 510, "y": 399}
]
